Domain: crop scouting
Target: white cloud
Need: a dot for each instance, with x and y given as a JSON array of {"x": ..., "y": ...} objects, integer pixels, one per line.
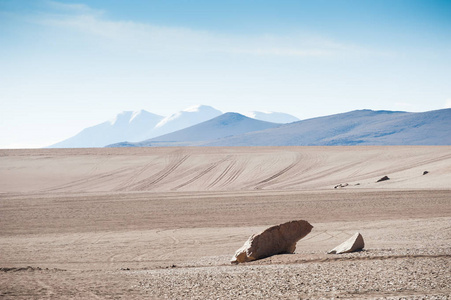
[
  {"x": 448, "y": 103},
  {"x": 72, "y": 7},
  {"x": 143, "y": 37}
]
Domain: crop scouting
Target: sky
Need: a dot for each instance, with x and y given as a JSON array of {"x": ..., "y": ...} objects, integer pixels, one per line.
[{"x": 68, "y": 65}]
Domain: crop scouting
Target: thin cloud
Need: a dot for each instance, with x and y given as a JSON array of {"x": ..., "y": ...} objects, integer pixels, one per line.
[
  {"x": 448, "y": 103},
  {"x": 72, "y": 7},
  {"x": 143, "y": 37}
]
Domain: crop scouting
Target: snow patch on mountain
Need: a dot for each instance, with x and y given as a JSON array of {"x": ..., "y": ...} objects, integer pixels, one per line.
[
  {"x": 270, "y": 116},
  {"x": 185, "y": 118}
]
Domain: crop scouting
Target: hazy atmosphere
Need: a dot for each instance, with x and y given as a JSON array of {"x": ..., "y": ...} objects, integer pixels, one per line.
[
  {"x": 236, "y": 149},
  {"x": 68, "y": 65}
]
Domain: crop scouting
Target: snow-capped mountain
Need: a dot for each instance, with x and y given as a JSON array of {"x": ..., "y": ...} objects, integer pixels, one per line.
[
  {"x": 228, "y": 124},
  {"x": 270, "y": 116},
  {"x": 126, "y": 126},
  {"x": 137, "y": 126},
  {"x": 185, "y": 118}
]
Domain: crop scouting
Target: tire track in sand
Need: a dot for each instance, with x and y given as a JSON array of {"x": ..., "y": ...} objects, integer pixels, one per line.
[
  {"x": 261, "y": 184},
  {"x": 231, "y": 173},
  {"x": 91, "y": 181},
  {"x": 223, "y": 174},
  {"x": 147, "y": 183},
  {"x": 202, "y": 173},
  {"x": 128, "y": 182},
  {"x": 322, "y": 174}
]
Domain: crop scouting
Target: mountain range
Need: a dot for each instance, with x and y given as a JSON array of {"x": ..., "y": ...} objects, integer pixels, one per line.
[
  {"x": 206, "y": 126},
  {"x": 142, "y": 125},
  {"x": 360, "y": 127}
]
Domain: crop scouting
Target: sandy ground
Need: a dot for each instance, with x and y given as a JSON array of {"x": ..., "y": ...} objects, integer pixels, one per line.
[
  {"x": 163, "y": 223},
  {"x": 223, "y": 169}
]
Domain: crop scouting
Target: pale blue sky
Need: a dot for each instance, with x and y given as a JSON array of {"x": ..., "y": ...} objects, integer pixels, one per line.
[{"x": 67, "y": 65}]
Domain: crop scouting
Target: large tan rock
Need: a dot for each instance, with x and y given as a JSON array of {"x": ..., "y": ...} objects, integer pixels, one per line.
[
  {"x": 274, "y": 240},
  {"x": 354, "y": 243}
]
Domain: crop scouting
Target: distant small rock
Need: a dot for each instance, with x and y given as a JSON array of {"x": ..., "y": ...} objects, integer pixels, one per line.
[
  {"x": 354, "y": 243},
  {"x": 274, "y": 240},
  {"x": 425, "y": 172},
  {"x": 341, "y": 185},
  {"x": 383, "y": 179}
]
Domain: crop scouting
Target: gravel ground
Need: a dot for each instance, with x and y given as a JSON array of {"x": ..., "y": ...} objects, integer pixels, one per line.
[{"x": 402, "y": 277}]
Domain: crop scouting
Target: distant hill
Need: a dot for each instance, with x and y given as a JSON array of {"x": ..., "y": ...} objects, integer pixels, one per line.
[
  {"x": 360, "y": 127},
  {"x": 228, "y": 124}
]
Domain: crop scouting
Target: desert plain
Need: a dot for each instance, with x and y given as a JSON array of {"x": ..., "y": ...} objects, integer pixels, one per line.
[{"x": 163, "y": 223}]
